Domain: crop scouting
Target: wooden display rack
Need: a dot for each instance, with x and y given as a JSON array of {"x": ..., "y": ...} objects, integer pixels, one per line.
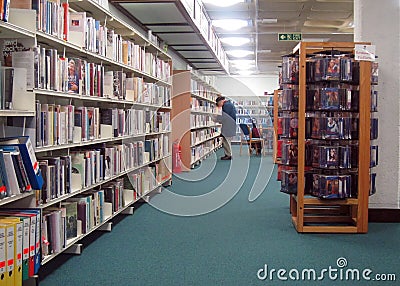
[{"x": 313, "y": 215}]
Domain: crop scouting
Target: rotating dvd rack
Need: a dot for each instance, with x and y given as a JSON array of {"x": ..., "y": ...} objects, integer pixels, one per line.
[{"x": 324, "y": 126}]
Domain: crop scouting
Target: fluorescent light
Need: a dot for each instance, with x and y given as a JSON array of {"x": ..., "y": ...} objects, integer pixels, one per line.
[
  {"x": 223, "y": 3},
  {"x": 269, "y": 21},
  {"x": 235, "y": 41},
  {"x": 240, "y": 53},
  {"x": 230, "y": 24},
  {"x": 243, "y": 64}
]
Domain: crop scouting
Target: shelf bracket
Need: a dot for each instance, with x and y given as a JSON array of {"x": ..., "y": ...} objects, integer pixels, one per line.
[
  {"x": 105, "y": 227},
  {"x": 128, "y": 211},
  {"x": 75, "y": 248},
  {"x": 146, "y": 199}
]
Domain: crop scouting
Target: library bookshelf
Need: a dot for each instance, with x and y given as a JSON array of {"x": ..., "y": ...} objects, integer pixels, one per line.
[
  {"x": 193, "y": 124},
  {"x": 320, "y": 215},
  {"x": 133, "y": 122}
]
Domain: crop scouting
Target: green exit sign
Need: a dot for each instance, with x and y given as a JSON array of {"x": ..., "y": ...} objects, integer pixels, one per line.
[{"x": 289, "y": 37}]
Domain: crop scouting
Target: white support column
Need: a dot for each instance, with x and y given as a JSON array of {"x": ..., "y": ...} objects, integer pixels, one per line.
[{"x": 378, "y": 22}]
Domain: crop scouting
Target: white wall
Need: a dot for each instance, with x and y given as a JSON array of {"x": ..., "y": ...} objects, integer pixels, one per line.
[
  {"x": 378, "y": 22},
  {"x": 246, "y": 85}
]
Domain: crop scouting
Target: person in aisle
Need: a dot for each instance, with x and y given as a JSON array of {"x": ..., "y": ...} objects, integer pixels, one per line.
[{"x": 228, "y": 121}]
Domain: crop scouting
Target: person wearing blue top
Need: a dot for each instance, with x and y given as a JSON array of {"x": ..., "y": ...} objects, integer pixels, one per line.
[{"x": 228, "y": 121}]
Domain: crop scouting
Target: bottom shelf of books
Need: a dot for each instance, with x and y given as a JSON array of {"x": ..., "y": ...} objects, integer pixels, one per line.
[
  {"x": 202, "y": 151},
  {"x": 80, "y": 216}
]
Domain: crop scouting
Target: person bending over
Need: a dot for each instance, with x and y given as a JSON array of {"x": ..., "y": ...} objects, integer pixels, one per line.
[{"x": 228, "y": 121}]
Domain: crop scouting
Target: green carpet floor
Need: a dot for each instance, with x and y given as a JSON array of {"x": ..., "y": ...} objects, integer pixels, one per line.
[{"x": 227, "y": 246}]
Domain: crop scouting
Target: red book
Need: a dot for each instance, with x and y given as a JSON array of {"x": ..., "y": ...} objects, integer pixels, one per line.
[{"x": 65, "y": 7}]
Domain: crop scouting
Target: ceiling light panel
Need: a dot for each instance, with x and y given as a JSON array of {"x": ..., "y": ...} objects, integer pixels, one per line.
[
  {"x": 230, "y": 24},
  {"x": 235, "y": 41},
  {"x": 240, "y": 53}
]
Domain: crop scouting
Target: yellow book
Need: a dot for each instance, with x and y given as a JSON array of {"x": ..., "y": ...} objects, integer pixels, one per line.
[
  {"x": 10, "y": 252},
  {"x": 18, "y": 233},
  {"x": 3, "y": 229}
]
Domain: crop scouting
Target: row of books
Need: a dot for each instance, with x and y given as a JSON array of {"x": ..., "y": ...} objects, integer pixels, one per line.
[
  {"x": 243, "y": 111},
  {"x": 157, "y": 121},
  {"x": 12, "y": 88},
  {"x": 320, "y": 127},
  {"x": 333, "y": 186},
  {"x": 201, "y": 120},
  {"x": 325, "y": 156},
  {"x": 65, "y": 124},
  {"x": 67, "y": 174},
  {"x": 20, "y": 237},
  {"x": 340, "y": 67},
  {"x": 86, "y": 32},
  {"x": 19, "y": 170},
  {"x": 84, "y": 168},
  {"x": 80, "y": 214},
  {"x": 247, "y": 102},
  {"x": 201, "y": 89},
  {"x": 199, "y": 136},
  {"x": 202, "y": 105},
  {"x": 330, "y": 99},
  {"x": 47, "y": 69},
  {"x": 201, "y": 150},
  {"x": 156, "y": 148},
  {"x": 78, "y": 76}
]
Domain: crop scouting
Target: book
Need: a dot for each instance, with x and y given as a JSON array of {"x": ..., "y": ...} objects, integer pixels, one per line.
[
  {"x": 77, "y": 28},
  {"x": 71, "y": 218}
]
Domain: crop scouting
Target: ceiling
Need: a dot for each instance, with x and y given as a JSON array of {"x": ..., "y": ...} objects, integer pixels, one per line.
[{"x": 316, "y": 20}]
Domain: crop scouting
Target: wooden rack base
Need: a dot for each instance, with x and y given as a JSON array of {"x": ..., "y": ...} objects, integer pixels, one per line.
[{"x": 319, "y": 216}]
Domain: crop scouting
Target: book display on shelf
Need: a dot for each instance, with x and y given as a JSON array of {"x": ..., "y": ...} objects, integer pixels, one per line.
[
  {"x": 325, "y": 123},
  {"x": 193, "y": 117},
  {"x": 100, "y": 103}
]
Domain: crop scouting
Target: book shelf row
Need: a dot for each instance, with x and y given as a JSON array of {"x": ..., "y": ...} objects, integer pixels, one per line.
[
  {"x": 50, "y": 70},
  {"x": 67, "y": 175},
  {"x": 202, "y": 151},
  {"x": 107, "y": 219},
  {"x": 200, "y": 136},
  {"x": 82, "y": 190},
  {"x": 66, "y": 124},
  {"x": 101, "y": 10},
  {"x": 69, "y": 48},
  {"x": 80, "y": 215},
  {"x": 205, "y": 106},
  {"x": 56, "y": 19}
]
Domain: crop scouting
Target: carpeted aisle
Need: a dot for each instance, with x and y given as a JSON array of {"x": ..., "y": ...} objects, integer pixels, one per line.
[{"x": 226, "y": 246}]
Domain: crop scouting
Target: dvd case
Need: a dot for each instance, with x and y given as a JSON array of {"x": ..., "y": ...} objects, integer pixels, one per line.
[
  {"x": 373, "y": 156},
  {"x": 289, "y": 182},
  {"x": 374, "y": 101},
  {"x": 330, "y": 99},
  {"x": 331, "y": 186},
  {"x": 289, "y": 153},
  {"x": 374, "y": 128},
  {"x": 374, "y": 73}
]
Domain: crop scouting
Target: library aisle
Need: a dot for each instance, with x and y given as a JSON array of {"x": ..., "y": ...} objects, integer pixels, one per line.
[{"x": 225, "y": 247}]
